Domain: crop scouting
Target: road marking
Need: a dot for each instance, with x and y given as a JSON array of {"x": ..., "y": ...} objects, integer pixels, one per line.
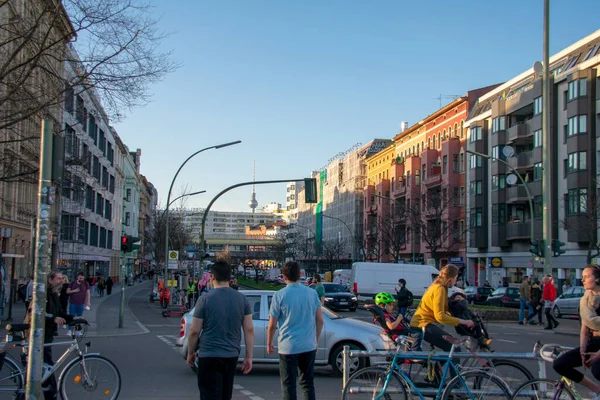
[
  {"x": 237, "y": 387},
  {"x": 165, "y": 339},
  {"x": 507, "y": 341},
  {"x": 246, "y": 393}
]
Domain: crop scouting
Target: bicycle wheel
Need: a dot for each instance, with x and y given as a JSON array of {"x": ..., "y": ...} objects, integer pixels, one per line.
[
  {"x": 511, "y": 372},
  {"x": 543, "y": 389},
  {"x": 368, "y": 383},
  {"x": 12, "y": 378},
  {"x": 481, "y": 385},
  {"x": 93, "y": 377}
]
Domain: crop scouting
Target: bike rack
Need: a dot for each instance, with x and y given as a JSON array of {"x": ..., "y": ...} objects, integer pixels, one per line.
[{"x": 347, "y": 354}]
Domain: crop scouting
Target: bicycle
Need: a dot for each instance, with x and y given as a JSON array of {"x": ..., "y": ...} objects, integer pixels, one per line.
[
  {"x": 541, "y": 388},
  {"x": 87, "y": 376},
  {"x": 513, "y": 373},
  {"x": 375, "y": 383}
]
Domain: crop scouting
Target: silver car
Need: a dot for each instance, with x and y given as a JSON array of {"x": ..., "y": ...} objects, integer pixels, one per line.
[
  {"x": 568, "y": 302},
  {"x": 337, "y": 332}
]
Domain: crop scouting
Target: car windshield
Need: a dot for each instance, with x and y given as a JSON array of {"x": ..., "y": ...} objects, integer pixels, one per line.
[
  {"x": 485, "y": 290},
  {"x": 499, "y": 291},
  {"x": 335, "y": 289}
]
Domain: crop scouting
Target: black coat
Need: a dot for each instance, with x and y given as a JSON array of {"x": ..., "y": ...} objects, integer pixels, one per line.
[{"x": 53, "y": 309}]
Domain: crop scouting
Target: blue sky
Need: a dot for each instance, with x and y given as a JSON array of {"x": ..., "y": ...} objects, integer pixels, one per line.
[{"x": 299, "y": 81}]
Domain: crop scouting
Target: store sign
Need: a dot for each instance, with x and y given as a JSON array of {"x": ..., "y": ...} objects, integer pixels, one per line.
[
  {"x": 456, "y": 260},
  {"x": 496, "y": 262}
]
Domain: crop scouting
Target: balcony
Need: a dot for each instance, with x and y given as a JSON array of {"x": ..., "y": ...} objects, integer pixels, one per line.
[
  {"x": 522, "y": 161},
  {"x": 400, "y": 190},
  {"x": 516, "y": 193},
  {"x": 433, "y": 180},
  {"x": 518, "y": 131},
  {"x": 518, "y": 230}
]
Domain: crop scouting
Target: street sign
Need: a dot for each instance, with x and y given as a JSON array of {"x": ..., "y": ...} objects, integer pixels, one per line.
[
  {"x": 496, "y": 262},
  {"x": 173, "y": 259}
]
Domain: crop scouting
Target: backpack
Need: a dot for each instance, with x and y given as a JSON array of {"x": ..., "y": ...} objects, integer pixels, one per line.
[
  {"x": 407, "y": 300},
  {"x": 22, "y": 291}
]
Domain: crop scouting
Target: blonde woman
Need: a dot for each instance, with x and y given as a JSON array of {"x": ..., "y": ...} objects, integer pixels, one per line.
[
  {"x": 64, "y": 297},
  {"x": 433, "y": 309}
]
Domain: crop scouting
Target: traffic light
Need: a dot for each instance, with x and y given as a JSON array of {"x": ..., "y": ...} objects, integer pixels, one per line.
[
  {"x": 537, "y": 248},
  {"x": 556, "y": 247},
  {"x": 310, "y": 190},
  {"x": 125, "y": 243},
  {"x": 134, "y": 243}
]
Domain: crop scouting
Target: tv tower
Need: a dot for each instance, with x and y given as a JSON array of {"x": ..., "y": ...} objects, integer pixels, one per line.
[{"x": 253, "y": 203}]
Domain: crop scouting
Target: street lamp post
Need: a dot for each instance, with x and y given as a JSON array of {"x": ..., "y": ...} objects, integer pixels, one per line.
[
  {"x": 166, "y": 213},
  {"x": 531, "y": 227},
  {"x": 546, "y": 150}
]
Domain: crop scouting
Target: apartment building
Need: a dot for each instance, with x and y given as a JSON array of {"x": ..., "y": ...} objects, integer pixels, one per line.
[
  {"x": 225, "y": 223},
  {"x": 291, "y": 203},
  {"x": 499, "y": 206}
]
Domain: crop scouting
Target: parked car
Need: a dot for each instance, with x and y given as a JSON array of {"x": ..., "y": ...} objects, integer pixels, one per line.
[
  {"x": 568, "y": 302},
  {"x": 339, "y": 298},
  {"x": 337, "y": 332},
  {"x": 504, "y": 297},
  {"x": 478, "y": 295}
]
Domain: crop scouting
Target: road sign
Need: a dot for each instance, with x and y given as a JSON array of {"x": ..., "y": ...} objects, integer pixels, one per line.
[{"x": 173, "y": 259}]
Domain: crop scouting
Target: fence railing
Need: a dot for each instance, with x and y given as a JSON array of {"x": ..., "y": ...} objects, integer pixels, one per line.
[{"x": 348, "y": 354}]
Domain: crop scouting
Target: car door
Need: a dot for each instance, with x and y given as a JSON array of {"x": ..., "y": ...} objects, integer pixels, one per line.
[
  {"x": 321, "y": 351},
  {"x": 577, "y": 295},
  {"x": 256, "y": 306}
]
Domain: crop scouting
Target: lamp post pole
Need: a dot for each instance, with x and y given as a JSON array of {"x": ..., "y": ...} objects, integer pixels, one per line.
[
  {"x": 514, "y": 171},
  {"x": 546, "y": 150},
  {"x": 166, "y": 213},
  {"x": 183, "y": 195},
  {"x": 347, "y": 227}
]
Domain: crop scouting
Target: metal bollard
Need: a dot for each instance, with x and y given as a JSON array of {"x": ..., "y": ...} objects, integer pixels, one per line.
[
  {"x": 542, "y": 368},
  {"x": 346, "y": 359}
]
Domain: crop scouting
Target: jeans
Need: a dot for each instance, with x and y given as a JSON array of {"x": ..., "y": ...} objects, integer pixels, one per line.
[
  {"x": 76, "y": 310},
  {"x": 302, "y": 366},
  {"x": 525, "y": 303},
  {"x": 215, "y": 377}
]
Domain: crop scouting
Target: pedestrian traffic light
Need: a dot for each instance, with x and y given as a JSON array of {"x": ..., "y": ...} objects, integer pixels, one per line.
[
  {"x": 310, "y": 190},
  {"x": 125, "y": 243},
  {"x": 135, "y": 243},
  {"x": 537, "y": 248},
  {"x": 556, "y": 247}
]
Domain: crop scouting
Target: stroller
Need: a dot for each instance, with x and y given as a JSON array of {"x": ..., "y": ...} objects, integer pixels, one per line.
[{"x": 458, "y": 306}]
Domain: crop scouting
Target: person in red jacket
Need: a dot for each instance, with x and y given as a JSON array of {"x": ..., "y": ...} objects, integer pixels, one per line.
[{"x": 548, "y": 296}]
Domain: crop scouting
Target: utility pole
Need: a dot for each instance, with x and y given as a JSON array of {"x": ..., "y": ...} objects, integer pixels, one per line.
[
  {"x": 122, "y": 305},
  {"x": 546, "y": 142},
  {"x": 42, "y": 266}
]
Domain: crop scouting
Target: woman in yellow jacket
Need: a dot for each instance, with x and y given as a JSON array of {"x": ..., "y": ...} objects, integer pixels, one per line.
[{"x": 433, "y": 308}]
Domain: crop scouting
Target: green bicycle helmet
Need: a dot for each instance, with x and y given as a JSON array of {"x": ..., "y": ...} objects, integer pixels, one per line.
[{"x": 384, "y": 298}]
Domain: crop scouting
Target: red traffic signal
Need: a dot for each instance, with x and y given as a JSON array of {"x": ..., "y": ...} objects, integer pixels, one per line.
[{"x": 125, "y": 243}]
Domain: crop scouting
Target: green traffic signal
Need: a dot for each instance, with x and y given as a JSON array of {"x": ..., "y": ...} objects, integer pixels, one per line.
[{"x": 310, "y": 190}]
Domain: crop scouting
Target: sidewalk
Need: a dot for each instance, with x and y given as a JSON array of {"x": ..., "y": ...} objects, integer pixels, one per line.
[
  {"x": 567, "y": 326},
  {"x": 103, "y": 316}
]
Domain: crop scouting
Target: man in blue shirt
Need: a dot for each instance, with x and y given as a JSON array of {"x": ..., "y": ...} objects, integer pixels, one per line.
[{"x": 297, "y": 311}]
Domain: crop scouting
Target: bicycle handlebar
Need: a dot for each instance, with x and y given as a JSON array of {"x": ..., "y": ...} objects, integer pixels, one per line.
[{"x": 550, "y": 351}]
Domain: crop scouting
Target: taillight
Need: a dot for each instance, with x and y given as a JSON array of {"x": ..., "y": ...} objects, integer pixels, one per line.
[
  {"x": 182, "y": 328},
  {"x": 355, "y": 288},
  {"x": 505, "y": 298}
]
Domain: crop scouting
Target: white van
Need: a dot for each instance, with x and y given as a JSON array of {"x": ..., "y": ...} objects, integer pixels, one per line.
[
  {"x": 342, "y": 277},
  {"x": 368, "y": 279}
]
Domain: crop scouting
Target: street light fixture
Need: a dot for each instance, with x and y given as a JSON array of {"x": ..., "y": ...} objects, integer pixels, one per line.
[
  {"x": 185, "y": 195},
  {"x": 166, "y": 213}
]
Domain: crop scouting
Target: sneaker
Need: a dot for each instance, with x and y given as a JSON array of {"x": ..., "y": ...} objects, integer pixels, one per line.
[{"x": 69, "y": 333}]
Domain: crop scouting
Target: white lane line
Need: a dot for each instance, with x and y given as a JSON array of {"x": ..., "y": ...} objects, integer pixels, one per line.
[
  {"x": 256, "y": 398},
  {"x": 237, "y": 387},
  {"x": 507, "y": 341},
  {"x": 246, "y": 393}
]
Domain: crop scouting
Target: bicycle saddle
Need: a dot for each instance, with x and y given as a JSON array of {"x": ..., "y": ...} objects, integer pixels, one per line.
[
  {"x": 454, "y": 340},
  {"x": 13, "y": 328}
]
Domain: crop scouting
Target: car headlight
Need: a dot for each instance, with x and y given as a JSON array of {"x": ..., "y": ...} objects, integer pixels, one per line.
[{"x": 328, "y": 298}]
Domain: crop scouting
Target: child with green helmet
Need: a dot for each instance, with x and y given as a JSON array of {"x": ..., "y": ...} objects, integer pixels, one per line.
[{"x": 395, "y": 321}]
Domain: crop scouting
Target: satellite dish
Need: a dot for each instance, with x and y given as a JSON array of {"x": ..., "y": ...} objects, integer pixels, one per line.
[
  {"x": 508, "y": 151},
  {"x": 538, "y": 68},
  {"x": 511, "y": 179}
]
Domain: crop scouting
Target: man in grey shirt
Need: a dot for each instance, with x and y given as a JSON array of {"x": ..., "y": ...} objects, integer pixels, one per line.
[{"x": 220, "y": 315}]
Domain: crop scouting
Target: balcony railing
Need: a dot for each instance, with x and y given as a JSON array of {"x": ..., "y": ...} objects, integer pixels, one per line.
[
  {"x": 516, "y": 193},
  {"x": 433, "y": 180},
  {"x": 518, "y": 131},
  {"x": 522, "y": 160},
  {"x": 518, "y": 230}
]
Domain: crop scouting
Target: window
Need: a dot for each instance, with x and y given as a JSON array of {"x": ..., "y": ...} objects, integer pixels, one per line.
[
  {"x": 99, "y": 204},
  {"x": 107, "y": 210},
  {"x": 84, "y": 234},
  {"x": 498, "y": 182},
  {"x": 445, "y": 165},
  {"x": 455, "y": 167},
  {"x": 462, "y": 129},
  {"x": 102, "y": 142},
  {"x": 110, "y": 153},
  {"x": 577, "y": 124},
  {"x": 69, "y": 100},
  {"x": 461, "y": 162},
  {"x": 407, "y": 179},
  {"x": 476, "y": 217},
  {"x": 537, "y": 138},
  {"x": 455, "y": 196},
  {"x": 537, "y": 105},
  {"x": 576, "y": 201},
  {"x": 475, "y": 134},
  {"x": 577, "y": 88},
  {"x": 462, "y": 195},
  {"x": 424, "y": 171},
  {"x": 109, "y": 239},
  {"x": 576, "y": 162},
  {"x": 127, "y": 218},
  {"x": 537, "y": 172},
  {"x": 475, "y": 161},
  {"x": 495, "y": 152},
  {"x": 89, "y": 198},
  {"x": 417, "y": 178},
  {"x": 71, "y": 142},
  {"x": 475, "y": 188},
  {"x": 80, "y": 112},
  {"x": 111, "y": 184},
  {"x": 498, "y": 214},
  {"x": 128, "y": 194},
  {"x": 94, "y": 235},
  {"x": 96, "y": 168},
  {"x": 462, "y": 230},
  {"x": 538, "y": 207},
  {"x": 68, "y": 227},
  {"x": 102, "y": 240},
  {"x": 498, "y": 124},
  {"x": 105, "y": 177},
  {"x": 92, "y": 129}
]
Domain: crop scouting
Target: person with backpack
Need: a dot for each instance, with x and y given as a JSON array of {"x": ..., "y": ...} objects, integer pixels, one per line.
[{"x": 404, "y": 296}]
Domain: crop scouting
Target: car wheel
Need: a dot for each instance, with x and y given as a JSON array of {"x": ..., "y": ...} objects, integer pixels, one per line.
[
  {"x": 336, "y": 359},
  {"x": 556, "y": 312}
]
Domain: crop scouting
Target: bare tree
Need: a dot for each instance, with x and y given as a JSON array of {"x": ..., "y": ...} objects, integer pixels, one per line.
[
  {"x": 180, "y": 235},
  {"x": 333, "y": 252},
  {"x": 279, "y": 248},
  {"x": 583, "y": 220},
  {"x": 436, "y": 219},
  {"x": 392, "y": 232},
  {"x": 113, "y": 45}
]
